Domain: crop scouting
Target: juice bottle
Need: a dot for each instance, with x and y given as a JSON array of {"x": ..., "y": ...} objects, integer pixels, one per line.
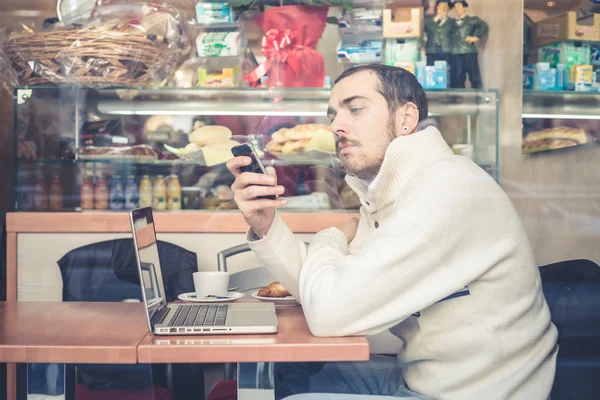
[
  {"x": 101, "y": 194},
  {"x": 40, "y": 195},
  {"x": 145, "y": 191},
  {"x": 174, "y": 193},
  {"x": 159, "y": 199},
  {"x": 131, "y": 193},
  {"x": 117, "y": 194},
  {"x": 56, "y": 194},
  {"x": 87, "y": 193}
]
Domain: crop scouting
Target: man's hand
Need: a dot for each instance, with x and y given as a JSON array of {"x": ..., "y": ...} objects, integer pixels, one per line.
[
  {"x": 348, "y": 228},
  {"x": 472, "y": 39},
  {"x": 258, "y": 213}
]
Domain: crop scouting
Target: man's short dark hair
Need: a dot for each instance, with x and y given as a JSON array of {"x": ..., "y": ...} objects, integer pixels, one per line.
[
  {"x": 463, "y": 2},
  {"x": 450, "y": 3},
  {"x": 397, "y": 85}
]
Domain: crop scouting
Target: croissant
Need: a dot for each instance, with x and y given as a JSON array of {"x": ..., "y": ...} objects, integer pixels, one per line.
[{"x": 274, "y": 289}]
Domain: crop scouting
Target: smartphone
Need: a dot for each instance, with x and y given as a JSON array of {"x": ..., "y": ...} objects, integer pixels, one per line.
[{"x": 256, "y": 166}]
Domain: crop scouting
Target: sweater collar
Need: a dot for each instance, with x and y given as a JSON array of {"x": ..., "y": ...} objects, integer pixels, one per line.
[{"x": 404, "y": 157}]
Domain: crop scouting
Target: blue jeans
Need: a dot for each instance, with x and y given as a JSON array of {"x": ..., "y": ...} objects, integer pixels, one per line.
[{"x": 378, "y": 379}]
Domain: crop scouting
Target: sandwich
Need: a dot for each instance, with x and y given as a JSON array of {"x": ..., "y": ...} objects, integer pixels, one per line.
[{"x": 555, "y": 138}]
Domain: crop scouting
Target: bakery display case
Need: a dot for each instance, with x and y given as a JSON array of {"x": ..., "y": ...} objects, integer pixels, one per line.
[
  {"x": 560, "y": 67},
  {"x": 560, "y": 120},
  {"x": 87, "y": 149}
]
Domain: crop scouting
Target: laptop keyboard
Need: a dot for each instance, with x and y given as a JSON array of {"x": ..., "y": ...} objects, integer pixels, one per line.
[
  {"x": 159, "y": 316},
  {"x": 199, "y": 315}
]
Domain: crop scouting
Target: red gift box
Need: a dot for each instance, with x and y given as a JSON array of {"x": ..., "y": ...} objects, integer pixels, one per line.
[{"x": 291, "y": 35}]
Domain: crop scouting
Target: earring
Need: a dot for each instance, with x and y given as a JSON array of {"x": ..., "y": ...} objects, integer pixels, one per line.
[{"x": 405, "y": 128}]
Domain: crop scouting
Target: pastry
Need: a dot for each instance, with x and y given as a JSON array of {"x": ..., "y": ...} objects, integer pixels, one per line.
[
  {"x": 294, "y": 146},
  {"x": 301, "y": 132},
  {"x": 274, "y": 289},
  {"x": 280, "y": 136},
  {"x": 274, "y": 147},
  {"x": 301, "y": 138}
]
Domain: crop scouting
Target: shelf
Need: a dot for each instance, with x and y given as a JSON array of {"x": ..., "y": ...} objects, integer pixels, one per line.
[
  {"x": 237, "y": 101},
  {"x": 561, "y": 104},
  {"x": 171, "y": 163}
]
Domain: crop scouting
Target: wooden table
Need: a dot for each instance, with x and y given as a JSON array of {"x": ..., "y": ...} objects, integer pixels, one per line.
[
  {"x": 56, "y": 332},
  {"x": 114, "y": 333},
  {"x": 103, "y": 333},
  {"x": 293, "y": 342}
]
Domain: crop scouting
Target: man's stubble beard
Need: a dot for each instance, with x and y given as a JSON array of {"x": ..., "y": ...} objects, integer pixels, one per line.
[{"x": 368, "y": 170}]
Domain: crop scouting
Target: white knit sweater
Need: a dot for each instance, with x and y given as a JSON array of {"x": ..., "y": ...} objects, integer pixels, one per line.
[{"x": 441, "y": 259}]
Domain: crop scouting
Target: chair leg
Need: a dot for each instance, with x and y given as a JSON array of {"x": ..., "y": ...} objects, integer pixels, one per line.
[
  {"x": 169, "y": 376},
  {"x": 228, "y": 371}
]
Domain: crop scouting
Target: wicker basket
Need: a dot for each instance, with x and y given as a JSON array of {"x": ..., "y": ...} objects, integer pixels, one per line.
[{"x": 88, "y": 56}]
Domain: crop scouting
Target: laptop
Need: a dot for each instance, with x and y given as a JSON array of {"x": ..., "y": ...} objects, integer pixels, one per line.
[{"x": 195, "y": 318}]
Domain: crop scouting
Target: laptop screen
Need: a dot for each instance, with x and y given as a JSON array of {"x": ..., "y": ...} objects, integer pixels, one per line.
[{"x": 144, "y": 235}]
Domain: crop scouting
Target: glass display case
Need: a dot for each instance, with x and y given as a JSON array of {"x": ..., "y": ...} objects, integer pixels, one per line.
[{"x": 89, "y": 149}]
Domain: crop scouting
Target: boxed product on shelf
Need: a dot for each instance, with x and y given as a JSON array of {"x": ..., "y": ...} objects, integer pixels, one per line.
[
  {"x": 542, "y": 76},
  {"x": 365, "y": 52},
  {"x": 433, "y": 76},
  {"x": 595, "y": 54},
  {"x": 566, "y": 53},
  {"x": 410, "y": 66},
  {"x": 227, "y": 77},
  {"x": 402, "y": 50},
  {"x": 402, "y": 22},
  {"x": 214, "y": 13},
  {"x": 568, "y": 26},
  {"x": 581, "y": 78},
  {"x": 360, "y": 20},
  {"x": 221, "y": 42},
  {"x": 596, "y": 80}
]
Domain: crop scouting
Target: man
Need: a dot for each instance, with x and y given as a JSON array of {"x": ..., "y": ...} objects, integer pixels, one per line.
[
  {"x": 469, "y": 32},
  {"x": 440, "y": 31},
  {"x": 439, "y": 258}
]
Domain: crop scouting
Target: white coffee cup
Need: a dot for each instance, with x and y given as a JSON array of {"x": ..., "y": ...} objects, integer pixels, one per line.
[{"x": 211, "y": 283}]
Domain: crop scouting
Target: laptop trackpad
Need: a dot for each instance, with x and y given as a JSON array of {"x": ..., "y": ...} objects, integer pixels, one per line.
[
  {"x": 241, "y": 313},
  {"x": 252, "y": 317}
]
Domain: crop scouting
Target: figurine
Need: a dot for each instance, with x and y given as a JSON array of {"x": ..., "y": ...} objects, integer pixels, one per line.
[
  {"x": 469, "y": 32},
  {"x": 440, "y": 31}
]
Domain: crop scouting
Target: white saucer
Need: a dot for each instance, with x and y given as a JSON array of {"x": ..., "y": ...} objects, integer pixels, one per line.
[
  {"x": 191, "y": 298},
  {"x": 288, "y": 301}
]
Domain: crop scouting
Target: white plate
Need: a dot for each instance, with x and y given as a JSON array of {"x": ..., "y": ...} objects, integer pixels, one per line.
[
  {"x": 288, "y": 301},
  {"x": 191, "y": 297}
]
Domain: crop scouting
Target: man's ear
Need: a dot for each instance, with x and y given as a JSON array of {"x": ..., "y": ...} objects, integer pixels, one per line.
[{"x": 408, "y": 119}]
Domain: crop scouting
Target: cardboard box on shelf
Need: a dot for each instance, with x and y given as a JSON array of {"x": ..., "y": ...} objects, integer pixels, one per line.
[
  {"x": 581, "y": 78},
  {"x": 403, "y": 22},
  {"x": 410, "y": 66},
  {"x": 402, "y": 50},
  {"x": 595, "y": 54},
  {"x": 365, "y": 52},
  {"x": 572, "y": 25},
  {"x": 542, "y": 76},
  {"x": 228, "y": 77},
  {"x": 221, "y": 43},
  {"x": 433, "y": 77},
  {"x": 567, "y": 53},
  {"x": 208, "y": 13}
]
